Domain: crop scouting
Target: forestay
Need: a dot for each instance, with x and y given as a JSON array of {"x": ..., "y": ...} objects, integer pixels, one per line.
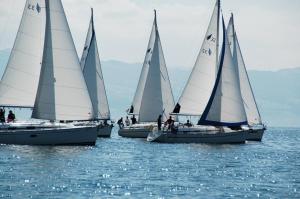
[
  {"x": 154, "y": 93},
  {"x": 250, "y": 105},
  {"x": 19, "y": 82},
  {"x": 198, "y": 89},
  {"x": 91, "y": 67},
  {"x": 225, "y": 106},
  {"x": 62, "y": 92}
]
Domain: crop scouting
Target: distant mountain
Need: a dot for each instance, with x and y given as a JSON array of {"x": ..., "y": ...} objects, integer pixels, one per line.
[{"x": 277, "y": 93}]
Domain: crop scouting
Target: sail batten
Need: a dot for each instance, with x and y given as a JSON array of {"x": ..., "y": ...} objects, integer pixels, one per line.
[
  {"x": 62, "y": 91},
  {"x": 91, "y": 67},
  {"x": 199, "y": 86}
]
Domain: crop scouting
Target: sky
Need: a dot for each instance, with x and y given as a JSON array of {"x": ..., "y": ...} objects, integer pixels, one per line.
[{"x": 268, "y": 30}]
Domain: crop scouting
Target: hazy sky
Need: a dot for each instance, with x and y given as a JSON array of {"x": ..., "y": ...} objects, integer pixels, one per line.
[{"x": 268, "y": 30}]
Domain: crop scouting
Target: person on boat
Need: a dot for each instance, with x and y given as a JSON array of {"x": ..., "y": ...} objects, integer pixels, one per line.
[
  {"x": 133, "y": 120},
  {"x": 11, "y": 117},
  {"x": 120, "y": 123},
  {"x": 131, "y": 109},
  {"x": 170, "y": 123},
  {"x": 159, "y": 122},
  {"x": 105, "y": 123},
  {"x": 188, "y": 123},
  {"x": 2, "y": 115},
  {"x": 127, "y": 121}
]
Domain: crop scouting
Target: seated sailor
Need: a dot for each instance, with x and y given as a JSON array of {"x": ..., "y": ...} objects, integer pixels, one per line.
[{"x": 11, "y": 117}]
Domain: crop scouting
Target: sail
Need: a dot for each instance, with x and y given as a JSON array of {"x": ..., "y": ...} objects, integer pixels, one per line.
[
  {"x": 19, "y": 82},
  {"x": 91, "y": 67},
  {"x": 253, "y": 115},
  {"x": 136, "y": 104},
  {"x": 62, "y": 91},
  {"x": 154, "y": 96},
  {"x": 198, "y": 89},
  {"x": 225, "y": 106}
]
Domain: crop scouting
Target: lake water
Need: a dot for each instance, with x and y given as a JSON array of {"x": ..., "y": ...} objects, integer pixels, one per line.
[{"x": 133, "y": 168}]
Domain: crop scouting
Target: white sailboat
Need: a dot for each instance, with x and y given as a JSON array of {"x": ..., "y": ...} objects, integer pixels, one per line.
[
  {"x": 219, "y": 105},
  {"x": 253, "y": 116},
  {"x": 154, "y": 95},
  {"x": 55, "y": 87},
  {"x": 91, "y": 67}
]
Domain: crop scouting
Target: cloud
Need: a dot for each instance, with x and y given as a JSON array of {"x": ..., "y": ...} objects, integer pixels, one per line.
[{"x": 268, "y": 32}]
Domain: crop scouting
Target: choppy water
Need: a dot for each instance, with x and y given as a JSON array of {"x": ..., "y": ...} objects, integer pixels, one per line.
[{"x": 133, "y": 168}]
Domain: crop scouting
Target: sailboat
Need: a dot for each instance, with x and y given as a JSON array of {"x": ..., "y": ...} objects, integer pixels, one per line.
[
  {"x": 54, "y": 87},
  {"x": 219, "y": 104},
  {"x": 154, "y": 95},
  {"x": 91, "y": 67},
  {"x": 253, "y": 116}
]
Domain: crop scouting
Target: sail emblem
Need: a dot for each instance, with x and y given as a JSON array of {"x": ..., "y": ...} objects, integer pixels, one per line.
[
  {"x": 38, "y": 8},
  {"x": 209, "y": 37},
  {"x": 207, "y": 52},
  {"x": 33, "y": 7}
]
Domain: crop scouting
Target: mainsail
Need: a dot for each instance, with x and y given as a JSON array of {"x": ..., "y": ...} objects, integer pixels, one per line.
[
  {"x": 198, "y": 89},
  {"x": 62, "y": 91},
  {"x": 91, "y": 67},
  {"x": 154, "y": 93},
  {"x": 250, "y": 105},
  {"x": 225, "y": 106},
  {"x": 19, "y": 82}
]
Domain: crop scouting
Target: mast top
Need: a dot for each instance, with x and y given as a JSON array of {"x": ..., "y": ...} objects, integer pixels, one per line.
[
  {"x": 92, "y": 17},
  {"x": 155, "y": 17},
  {"x": 155, "y": 20}
]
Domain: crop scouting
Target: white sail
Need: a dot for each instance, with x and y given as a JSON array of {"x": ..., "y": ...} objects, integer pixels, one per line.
[
  {"x": 225, "y": 106},
  {"x": 19, "y": 82},
  {"x": 62, "y": 91},
  {"x": 91, "y": 66},
  {"x": 136, "y": 104},
  {"x": 250, "y": 105},
  {"x": 154, "y": 93},
  {"x": 202, "y": 78}
]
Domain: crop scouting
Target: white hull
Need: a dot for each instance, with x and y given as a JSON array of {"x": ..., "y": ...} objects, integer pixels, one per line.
[
  {"x": 209, "y": 137},
  {"x": 136, "y": 131},
  {"x": 83, "y": 135},
  {"x": 255, "y": 134},
  {"x": 104, "y": 131}
]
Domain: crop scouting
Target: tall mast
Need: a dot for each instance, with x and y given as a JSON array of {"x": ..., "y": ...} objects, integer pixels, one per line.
[{"x": 218, "y": 35}]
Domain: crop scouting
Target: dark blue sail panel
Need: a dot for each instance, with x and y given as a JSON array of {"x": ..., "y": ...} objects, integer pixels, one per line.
[
  {"x": 204, "y": 118},
  {"x": 177, "y": 108}
]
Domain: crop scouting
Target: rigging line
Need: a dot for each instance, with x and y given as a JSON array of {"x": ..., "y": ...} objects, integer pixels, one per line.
[
  {"x": 25, "y": 53},
  {"x": 27, "y": 34},
  {"x": 21, "y": 71},
  {"x": 10, "y": 86},
  {"x": 65, "y": 105},
  {"x": 63, "y": 86}
]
